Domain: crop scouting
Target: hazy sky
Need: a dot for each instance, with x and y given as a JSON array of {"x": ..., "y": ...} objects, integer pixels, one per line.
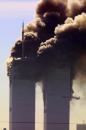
[{"x": 12, "y": 14}]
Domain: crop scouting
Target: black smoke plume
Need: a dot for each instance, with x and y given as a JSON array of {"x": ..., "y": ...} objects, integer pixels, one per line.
[
  {"x": 57, "y": 36},
  {"x": 49, "y": 15}
]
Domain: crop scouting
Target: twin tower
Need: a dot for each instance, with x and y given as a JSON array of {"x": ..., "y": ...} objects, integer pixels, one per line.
[{"x": 56, "y": 83}]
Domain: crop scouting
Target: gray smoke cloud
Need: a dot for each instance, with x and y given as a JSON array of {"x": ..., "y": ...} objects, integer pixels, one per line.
[{"x": 56, "y": 36}]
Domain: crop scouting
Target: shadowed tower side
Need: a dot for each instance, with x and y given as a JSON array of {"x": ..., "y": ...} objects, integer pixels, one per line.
[
  {"x": 81, "y": 126},
  {"x": 57, "y": 93},
  {"x": 22, "y": 97}
]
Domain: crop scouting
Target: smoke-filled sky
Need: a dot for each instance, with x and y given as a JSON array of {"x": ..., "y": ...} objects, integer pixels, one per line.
[
  {"x": 48, "y": 37},
  {"x": 58, "y": 31}
]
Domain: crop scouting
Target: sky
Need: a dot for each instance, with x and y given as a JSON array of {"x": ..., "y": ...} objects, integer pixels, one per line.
[{"x": 12, "y": 14}]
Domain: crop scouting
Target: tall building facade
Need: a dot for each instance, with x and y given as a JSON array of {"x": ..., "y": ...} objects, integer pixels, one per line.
[
  {"x": 22, "y": 97},
  {"x": 81, "y": 126},
  {"x": 57, "y": 93}
]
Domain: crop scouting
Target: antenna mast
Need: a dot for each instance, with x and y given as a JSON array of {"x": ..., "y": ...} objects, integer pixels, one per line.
[{"x": 23, "y": 40}]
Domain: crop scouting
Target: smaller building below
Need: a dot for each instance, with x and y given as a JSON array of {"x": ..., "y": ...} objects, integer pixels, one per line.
[{"x": 81, "y": 126}]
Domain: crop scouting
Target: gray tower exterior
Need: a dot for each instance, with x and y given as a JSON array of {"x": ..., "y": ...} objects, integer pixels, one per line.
[
  {"x": 56, "y": 82},
  {"x": 57, "y": 93},
  {"x": 81, "y": 127},
  {"x": 22, "y": 96}
]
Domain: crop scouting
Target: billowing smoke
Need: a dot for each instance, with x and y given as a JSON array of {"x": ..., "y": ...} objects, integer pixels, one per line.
[
  {"x": 76, "y": 7},
  {"x": 57, "y": 36},
  {"x": 49, "y": 15},
  {"x": 69, "y": 42}
]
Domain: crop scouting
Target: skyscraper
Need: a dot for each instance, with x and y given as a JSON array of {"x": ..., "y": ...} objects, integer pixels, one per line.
[
  {"x": 57, "y": 95},
  {"x": 22, "y": 96}
]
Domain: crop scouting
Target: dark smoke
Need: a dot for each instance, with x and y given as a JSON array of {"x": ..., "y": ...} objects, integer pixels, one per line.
[
  {"x": 52, "y": 12},
  {"x": 57, "y": 36},
  {"x": 49, "y": 15},
  {"x": 30, "y": 43},
  {"x": 69, "y": 42}
]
